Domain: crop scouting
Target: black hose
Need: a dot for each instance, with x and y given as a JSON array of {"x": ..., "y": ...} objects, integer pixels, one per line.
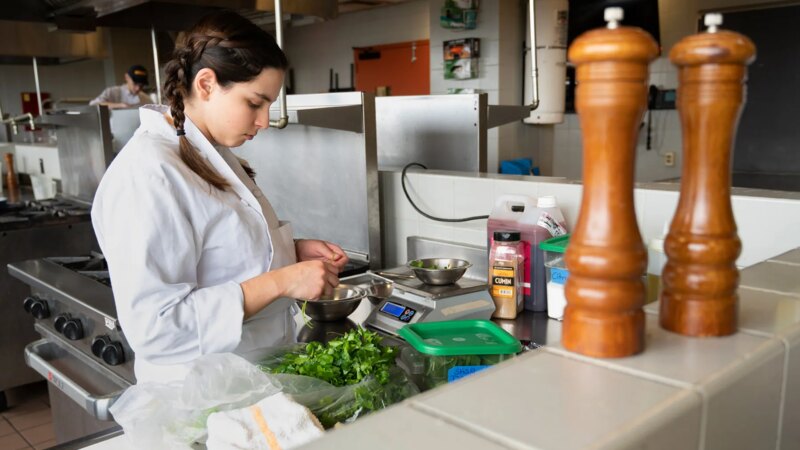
[{"x": 438, "y": 219}]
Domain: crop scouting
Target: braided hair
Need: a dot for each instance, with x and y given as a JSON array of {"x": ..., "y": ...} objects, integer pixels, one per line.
[{"x": 237, "y": 51}]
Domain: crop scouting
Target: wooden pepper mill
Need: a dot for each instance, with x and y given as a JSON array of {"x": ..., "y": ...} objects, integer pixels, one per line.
[
  {"x": 606, "y": 257},
  {"x": 700, "y": 278}
]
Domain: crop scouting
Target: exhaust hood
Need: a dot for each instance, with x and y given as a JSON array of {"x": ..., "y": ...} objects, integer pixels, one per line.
[
  {"x": 163, "y": 15},
  {"x": 20, "y": 41},
  {"x": 59, "y": 31}
]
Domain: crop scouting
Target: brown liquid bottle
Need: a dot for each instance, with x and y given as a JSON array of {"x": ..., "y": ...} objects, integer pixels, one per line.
[
  {"x": 700, "y": 278},
  {"x": 11, "y": 177},
  {"x": 606, "y": 257}
]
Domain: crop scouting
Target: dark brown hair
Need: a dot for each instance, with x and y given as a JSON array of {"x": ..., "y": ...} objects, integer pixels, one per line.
[{"x": 237, "y": 51}]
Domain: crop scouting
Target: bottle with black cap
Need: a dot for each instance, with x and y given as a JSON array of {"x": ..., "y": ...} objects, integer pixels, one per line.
[{"x": 506, "y": 258}]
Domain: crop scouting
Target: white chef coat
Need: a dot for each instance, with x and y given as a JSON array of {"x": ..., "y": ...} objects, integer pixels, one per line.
[
  {"x": 177, "y": 249},
  {"x": 121, "y": 94}
]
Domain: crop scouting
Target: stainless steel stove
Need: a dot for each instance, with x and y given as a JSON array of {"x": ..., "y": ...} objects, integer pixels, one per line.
[
  {"x": 42, "y": 212},
  {"x": 32, "y": 229},
  {"x": 82, "y": 350}
]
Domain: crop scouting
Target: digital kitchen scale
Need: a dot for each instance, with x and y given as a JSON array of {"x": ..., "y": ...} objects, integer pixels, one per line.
[{"x": 413, "y": 301}]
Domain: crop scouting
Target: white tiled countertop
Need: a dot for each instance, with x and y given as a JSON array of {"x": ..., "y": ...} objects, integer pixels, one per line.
[{"x": 736, "y": 392}]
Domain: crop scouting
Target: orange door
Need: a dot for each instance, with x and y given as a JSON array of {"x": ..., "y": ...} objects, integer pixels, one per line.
[{"x": 403, "y": 67}]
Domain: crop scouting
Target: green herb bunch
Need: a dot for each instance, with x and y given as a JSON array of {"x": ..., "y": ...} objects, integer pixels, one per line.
[{"x": 343, "y": 361}]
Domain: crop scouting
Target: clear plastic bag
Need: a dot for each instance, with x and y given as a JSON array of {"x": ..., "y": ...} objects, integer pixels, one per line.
[
  {"x": 339, "y": 404},
  {"x": 173, "y": 415}
]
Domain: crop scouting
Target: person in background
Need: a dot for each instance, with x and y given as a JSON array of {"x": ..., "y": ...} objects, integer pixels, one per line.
[
  {"x": 199, "y": 261},
  {"x": 126, "y": 95}
]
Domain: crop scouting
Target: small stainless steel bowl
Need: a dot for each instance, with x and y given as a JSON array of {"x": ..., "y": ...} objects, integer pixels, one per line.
[
  {"x": 377, "y": 291},
  {"x": 342, "y": 301},
  {"x": 439, "y": 271}
]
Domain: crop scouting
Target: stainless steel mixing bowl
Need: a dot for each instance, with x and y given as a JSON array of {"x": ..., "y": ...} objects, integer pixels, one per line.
[
  {"x": 377, "y": 291},
  {"x": 439, "y": 271},
  {"x": 341, "y": 303}
]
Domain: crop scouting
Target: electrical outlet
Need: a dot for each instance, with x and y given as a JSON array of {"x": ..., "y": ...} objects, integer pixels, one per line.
[{"x": 669, "y": 159}]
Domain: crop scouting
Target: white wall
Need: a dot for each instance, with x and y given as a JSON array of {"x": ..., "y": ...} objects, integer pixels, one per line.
[
  {"x": 567, "y": 143},
  {"x": 314, "y": 49},
  {"x": 27, "y": 158},
  {"x": 766, "y": 226},
  {"x": 78, "y": 79},
  {"x": 555, "y": 149},
  {"x": 500, "y": 29}
]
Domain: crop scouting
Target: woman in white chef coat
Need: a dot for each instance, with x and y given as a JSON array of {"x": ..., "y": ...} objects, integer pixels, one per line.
[{"x": 199, "y": 262}]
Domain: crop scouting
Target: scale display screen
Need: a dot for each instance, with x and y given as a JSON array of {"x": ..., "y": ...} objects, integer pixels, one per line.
[{"x": 399, "y": 312}]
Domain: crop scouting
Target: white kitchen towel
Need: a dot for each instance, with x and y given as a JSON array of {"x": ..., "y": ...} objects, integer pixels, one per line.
[{"x": 275, "y": 423}]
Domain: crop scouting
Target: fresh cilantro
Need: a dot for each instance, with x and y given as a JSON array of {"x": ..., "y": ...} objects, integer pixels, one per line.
[
  {"x": 361, "y": 369},
  {"x": 343, "y": 361}
]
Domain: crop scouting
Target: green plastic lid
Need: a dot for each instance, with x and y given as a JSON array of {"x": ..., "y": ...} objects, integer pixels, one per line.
[
  {"x": 460, "y": 337},
  {"x": 557, "y": 244}
]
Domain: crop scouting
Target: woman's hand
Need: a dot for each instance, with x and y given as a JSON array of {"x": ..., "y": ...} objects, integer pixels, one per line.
[
  {"x": 312, "y": 249},
  {"x": 307, "y": 280}
]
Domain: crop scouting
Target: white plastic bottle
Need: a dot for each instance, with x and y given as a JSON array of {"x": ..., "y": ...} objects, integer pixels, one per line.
[{"x": 656, "y": 259}]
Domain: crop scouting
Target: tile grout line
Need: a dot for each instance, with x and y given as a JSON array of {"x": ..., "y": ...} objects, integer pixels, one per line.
[
  {"x": 10, "y": 427},
  {"x": 643, "y": 419},
  {"x": 616, "y": 368},
  {"x": 723, "y": 373},
  {"x": 703, "y": 415},
  {"x": 26, "y": 440},
  {"x": 467, "y": 427},
  {"x": 19, "y": 431},
  {"x": 771, "y": 291},
  {"x": 31, "y": 444},
  {"x": 782, "y": 406},
  {"x": 787, "y": 263},
  {"x": 697, "y": 387}
]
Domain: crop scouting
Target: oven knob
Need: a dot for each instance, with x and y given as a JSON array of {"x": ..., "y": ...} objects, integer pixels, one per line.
[
  {"x": 73, "y": 329},
  {"x": 113, "y": 354},
  {"x": 60, "y": 321},
  {"x": 98, "y": 343},
  {"x": 28, "y": 303},
  {"x": 37, "y": 307}
]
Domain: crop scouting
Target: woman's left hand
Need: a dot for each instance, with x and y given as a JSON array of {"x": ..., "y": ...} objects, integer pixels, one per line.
[{"x": 311, "y": 249}]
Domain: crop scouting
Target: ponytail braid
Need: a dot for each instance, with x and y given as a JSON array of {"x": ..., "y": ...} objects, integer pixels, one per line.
[{"x": 176, "y": 87}]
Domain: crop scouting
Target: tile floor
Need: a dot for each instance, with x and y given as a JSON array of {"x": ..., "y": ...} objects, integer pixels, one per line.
[{"x": 27, "y": 424}]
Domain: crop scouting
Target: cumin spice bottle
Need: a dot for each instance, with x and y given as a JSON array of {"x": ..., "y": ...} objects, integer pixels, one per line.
[{"x": 506, "y": 263}]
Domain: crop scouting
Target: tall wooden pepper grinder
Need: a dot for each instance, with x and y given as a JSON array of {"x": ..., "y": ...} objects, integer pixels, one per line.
[
  {"x": 606, "y": 257},
  {"x": 700, "y": 278}
]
